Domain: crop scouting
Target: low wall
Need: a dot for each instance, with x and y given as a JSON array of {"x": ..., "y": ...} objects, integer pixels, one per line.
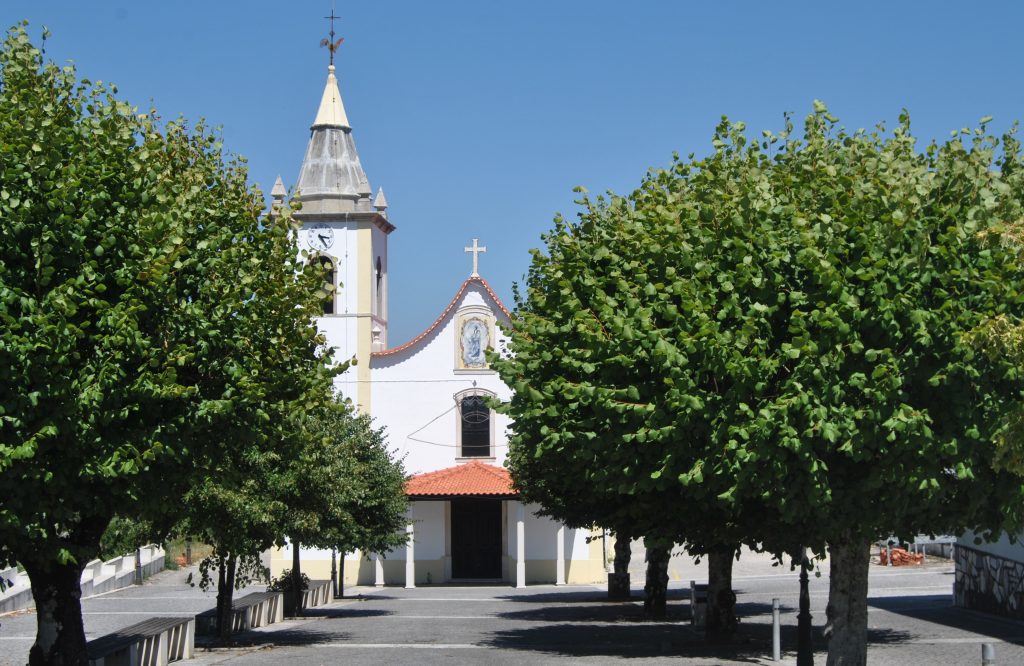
[
  {"x": 988, "y": 582},
  {"x": 97, "y": 577}
]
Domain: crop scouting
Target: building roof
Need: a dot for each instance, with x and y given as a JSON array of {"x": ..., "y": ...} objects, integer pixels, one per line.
[
  {"x": 444, "y": 315},
  {"x": 331, "y": 179},
  {"x": 471, "y": 479},
  {"x": 332, "y": 110}
]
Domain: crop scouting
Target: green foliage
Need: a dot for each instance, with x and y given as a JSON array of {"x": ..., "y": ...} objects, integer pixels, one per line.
[
  {"x": 774, "y": 340},
  {"x": 248, "y": 569},
  {"x": 344, "y": 491},
  {"x": 286, "y": 581},
  {"x": 156, "y": 337},
  {"x": 124, "y": 535}
]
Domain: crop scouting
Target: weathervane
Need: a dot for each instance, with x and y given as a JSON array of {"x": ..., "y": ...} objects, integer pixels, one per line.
[{"x": 332, "y": 45}]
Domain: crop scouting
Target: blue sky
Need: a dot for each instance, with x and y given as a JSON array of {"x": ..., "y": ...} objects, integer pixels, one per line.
[{"x": 478, "y": 118}]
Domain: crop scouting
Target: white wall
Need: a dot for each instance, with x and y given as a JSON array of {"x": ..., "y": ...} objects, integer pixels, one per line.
[
  {"x": 1001, "y": 548},
  {"x": 428, "y": 536},
  {"x": 413, "y": 394},
  {"x": 541, "y": 538}
]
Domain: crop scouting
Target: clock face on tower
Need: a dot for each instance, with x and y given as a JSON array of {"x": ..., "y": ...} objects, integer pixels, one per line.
[{"x": 320, "y": 237}]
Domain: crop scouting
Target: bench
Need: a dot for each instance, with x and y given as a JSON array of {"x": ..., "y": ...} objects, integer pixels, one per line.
[
  {"x": 264, "y": 607},
  {"x": 698, "y": 603},
  {"x": 319, "y": 593},
  {"x": 153, "y": 642},
  {"x": 257, "y": 609}
]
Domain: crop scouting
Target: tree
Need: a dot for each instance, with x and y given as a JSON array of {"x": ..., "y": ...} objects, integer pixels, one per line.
[
  {"x": 343, "y": 491},
  {"x": 134, "y": 343},
  {"x": 258, "y": 365},
  {"x": 603, "y": 404},
  {"x": 776, "y": 335}
]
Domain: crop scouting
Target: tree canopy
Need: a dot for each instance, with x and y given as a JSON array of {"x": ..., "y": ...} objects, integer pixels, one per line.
[
  {"x": 779, "y": 337},
  {"x": 152, "y": 323}
]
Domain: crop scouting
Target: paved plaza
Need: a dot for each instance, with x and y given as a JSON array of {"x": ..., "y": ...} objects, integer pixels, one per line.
[{"x": 911, "y": 621}]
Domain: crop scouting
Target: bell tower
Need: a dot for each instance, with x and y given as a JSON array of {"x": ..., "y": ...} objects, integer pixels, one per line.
[{"x": 346, "y": 233}]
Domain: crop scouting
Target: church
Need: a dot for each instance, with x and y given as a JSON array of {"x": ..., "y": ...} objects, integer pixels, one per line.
[{"x": 465, "y": 523}]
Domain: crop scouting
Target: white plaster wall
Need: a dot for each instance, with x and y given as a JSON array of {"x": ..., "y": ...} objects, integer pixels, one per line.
[
  {"x": 307, "y": 554},
  {"x": 340, "y": 332},
  {"x": 542, "y": 537},
  {"x": 1001, "y": 548},
  {"x": 576, "y": 546},
  {"x": 413, "y": 394},
  {"x": 428, "y": 536},
  {"x": 380, "y": 249},
  {"x": 511, "y": 534},
  {"x": 339, "y": 329},
  {"x": 345, "y": 248}
]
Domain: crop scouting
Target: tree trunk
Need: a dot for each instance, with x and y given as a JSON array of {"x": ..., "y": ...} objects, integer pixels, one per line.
[
  {"x": 341, "y": 576},
  {"x": 296, "y": 579},
  {"x": 847, "y": 610},
  {"x": 60, "y": 635},
  {"x": 225, "y": 595},
  {"x": 618, "y": 582},
  {"x": 656, "y": 586},
  {"x": 721, "y": 612}
]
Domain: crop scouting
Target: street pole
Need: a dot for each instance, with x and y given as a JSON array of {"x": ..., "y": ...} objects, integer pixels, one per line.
[
  {"x": 776, "y": 631},
  {"x": 804, "y": 649}
]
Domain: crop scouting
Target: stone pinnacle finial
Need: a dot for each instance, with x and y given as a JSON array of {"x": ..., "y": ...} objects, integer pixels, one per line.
[
  {"x": 380, "y": 203},
  {"x": 278, "y": 193}
]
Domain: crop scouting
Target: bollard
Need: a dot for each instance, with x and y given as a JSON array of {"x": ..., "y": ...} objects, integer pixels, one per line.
[
  {"x": 776, "y": 631},
  {"x": 988, "y": 654},
  {"x": 889, "y": 550}
]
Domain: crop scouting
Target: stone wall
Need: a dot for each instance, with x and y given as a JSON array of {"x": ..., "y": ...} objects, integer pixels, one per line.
[{"x": 988, "y": 582}]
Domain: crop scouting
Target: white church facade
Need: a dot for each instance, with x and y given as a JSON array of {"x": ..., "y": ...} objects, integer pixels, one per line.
[{"x": 431, "y": 394}]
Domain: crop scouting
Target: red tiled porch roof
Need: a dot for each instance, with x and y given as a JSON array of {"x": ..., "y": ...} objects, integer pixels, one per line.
[{"x": 472, "y": 479}]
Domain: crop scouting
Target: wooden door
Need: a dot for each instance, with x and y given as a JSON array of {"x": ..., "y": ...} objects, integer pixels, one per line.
[{"x": 476, "y": 538}]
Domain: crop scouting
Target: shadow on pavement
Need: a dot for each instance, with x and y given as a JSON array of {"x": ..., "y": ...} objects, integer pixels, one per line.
[
  {"x": 623, "y": 641},
  {"x": 592, "y": 612},
  {"x": 587, "y": 596},
  {"x": 303, "y": 634},
  {"x": 346, "y": 612},
  {"x": 939, "y": 609},
  {"x": 752, "y": 643},
  {"x": 300, "y": 635}
]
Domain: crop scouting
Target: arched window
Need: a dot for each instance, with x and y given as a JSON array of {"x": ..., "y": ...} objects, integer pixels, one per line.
[
  {"x": 474, "y": 427},
  {"x": 380, "y": 290},
  {"x": 327, "y": 266}
]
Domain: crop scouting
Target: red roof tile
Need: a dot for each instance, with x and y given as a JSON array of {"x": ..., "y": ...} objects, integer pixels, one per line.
[{"x": 472, "y": 479}]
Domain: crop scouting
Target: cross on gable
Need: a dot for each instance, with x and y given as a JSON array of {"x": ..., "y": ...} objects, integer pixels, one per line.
[{"x": 476, "y": 250}]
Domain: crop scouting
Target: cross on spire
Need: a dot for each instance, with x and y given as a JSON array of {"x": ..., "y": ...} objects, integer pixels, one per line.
[
  {"x": 329, "y": 42},
  {"x": 476, "y": 250}
]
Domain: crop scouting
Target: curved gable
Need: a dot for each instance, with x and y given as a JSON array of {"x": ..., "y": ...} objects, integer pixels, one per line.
[{"x": 495, "y": 305}]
